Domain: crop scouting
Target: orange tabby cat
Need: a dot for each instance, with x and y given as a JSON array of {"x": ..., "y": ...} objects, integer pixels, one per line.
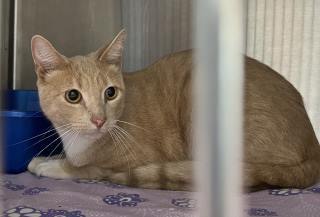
[{"x": 134, "y": 128}]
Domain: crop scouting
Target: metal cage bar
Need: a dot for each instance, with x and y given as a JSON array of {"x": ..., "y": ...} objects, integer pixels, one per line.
[{"x": 218, "y": 101}]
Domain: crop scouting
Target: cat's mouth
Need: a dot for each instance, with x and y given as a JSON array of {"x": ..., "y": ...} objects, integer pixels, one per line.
[{"x": 94, "y": 132}]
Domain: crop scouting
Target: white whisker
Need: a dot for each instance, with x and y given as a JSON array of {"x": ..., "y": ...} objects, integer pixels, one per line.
[
  {"x": 67, "y": 146},
  {"x": 38, "y": 135},
  {"x": 134, "y": 125},
  {"x": 128, "y": 136},
  {"x": 53, "y": 142},
  {"x": 114, "y": 142},
  {"x": 123, "y": 147},
  {"x": 126, "y": 145},
  {"x": 54, "y": 134},
  {"x": 53, "y": 150}
]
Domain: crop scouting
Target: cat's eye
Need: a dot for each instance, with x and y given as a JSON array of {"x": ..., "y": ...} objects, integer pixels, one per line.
[
  {"x": 110, "y": 93},
  {"x": 73, "y": 96}
]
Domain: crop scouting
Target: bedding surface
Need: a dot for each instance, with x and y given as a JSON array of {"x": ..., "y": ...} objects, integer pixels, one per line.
[{"x": 26, "y": 195}]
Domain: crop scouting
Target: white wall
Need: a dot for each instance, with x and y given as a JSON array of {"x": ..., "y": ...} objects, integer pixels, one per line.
[
  {"x": 155, "y": 28},
  {"x": 75, "y": 27}
]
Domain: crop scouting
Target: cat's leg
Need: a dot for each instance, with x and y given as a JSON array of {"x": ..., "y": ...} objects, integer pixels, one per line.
[
  {"x": 168, "y": 175},
  {"x": 251, "y": 180},
  {"x": 300, "y": 175},
  {"x": 58, "y": 168}
]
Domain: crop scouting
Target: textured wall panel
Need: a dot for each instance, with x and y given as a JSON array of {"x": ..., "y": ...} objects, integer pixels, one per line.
[
  {"x": 155, "y": 28},
  {"x": 285, "y": 34},
  {"x": 74, "y": 27},
  {"x": 4, "y": 42}
]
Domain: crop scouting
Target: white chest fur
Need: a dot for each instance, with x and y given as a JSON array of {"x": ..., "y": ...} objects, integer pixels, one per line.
[{"x": 77, "y": 148}]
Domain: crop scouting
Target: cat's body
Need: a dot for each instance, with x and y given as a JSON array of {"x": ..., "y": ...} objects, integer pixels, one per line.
[
  {"x": 281, "y": 148},
  {"x": 145, "y": 140}
]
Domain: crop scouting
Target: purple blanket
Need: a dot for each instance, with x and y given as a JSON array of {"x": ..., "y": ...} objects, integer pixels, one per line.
[{"x": 28, "y": 196}]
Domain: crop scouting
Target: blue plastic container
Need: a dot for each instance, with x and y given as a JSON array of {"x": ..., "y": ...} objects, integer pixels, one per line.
[{"x": 26, "y": 131}]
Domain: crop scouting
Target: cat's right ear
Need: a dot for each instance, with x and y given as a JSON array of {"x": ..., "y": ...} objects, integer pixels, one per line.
[
  {"x": 112, "y": 53},
  {"x": 46, "y": 58}
]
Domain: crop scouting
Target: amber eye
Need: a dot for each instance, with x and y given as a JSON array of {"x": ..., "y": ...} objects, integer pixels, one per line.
[
  {"x": 73, "y": 96},
  {"x": 110, "y": 93}
]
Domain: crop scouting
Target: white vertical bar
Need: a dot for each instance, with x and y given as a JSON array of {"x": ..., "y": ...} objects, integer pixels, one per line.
[
  {"x": 259, "y": 30},
  {"x": 218, "y": 89},
  {"x": 251, "y": 27},
  {"x": 287, "y": 37},
  {"x": 268, "y": 31},
  {"x": 278, "y": 26},
  {"x": 296, "y": 43},
  {"x": 314, "y": 77}
]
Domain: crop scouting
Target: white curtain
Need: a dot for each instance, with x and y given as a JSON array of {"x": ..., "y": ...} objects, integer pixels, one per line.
[{"x": 285, "y": 34}]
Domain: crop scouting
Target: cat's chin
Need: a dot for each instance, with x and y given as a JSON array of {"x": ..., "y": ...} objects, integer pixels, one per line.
[{"x": 93, "y": 133}]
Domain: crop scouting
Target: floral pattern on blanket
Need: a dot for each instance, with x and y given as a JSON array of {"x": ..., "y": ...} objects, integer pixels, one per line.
[
  {"x": 106, "y": 183},
  {"x": 34, "y": 191},
  {"x": 13, "y": 187},
  {"x": 184, "y": 202},
  {"x": 123, "y": 199},
  {"x": 261, "y": 212},
  {"x": 28, "y": 196},
  {"x": 24, "y": 211},
  {"x": 293, "y": 191}
]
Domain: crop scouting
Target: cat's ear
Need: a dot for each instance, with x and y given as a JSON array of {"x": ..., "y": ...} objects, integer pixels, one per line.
[
  {"x": 46, "y": 58},
  {"x": 112, "y": 53}
]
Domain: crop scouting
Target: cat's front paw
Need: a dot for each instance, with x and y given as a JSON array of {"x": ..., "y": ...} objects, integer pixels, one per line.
[
  {"x": 34, "y": 162},
  {"x": 53, "y": 168}
]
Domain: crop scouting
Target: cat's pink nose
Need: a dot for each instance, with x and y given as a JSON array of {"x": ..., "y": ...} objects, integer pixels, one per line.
[{"x": 98, "y": 121}]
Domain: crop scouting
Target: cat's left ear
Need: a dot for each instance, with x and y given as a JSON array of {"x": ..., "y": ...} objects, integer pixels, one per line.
[{"x": 112, "y": 53}]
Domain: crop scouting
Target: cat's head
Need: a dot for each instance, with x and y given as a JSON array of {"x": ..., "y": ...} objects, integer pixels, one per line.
[{"x": 82, "y": 92}]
